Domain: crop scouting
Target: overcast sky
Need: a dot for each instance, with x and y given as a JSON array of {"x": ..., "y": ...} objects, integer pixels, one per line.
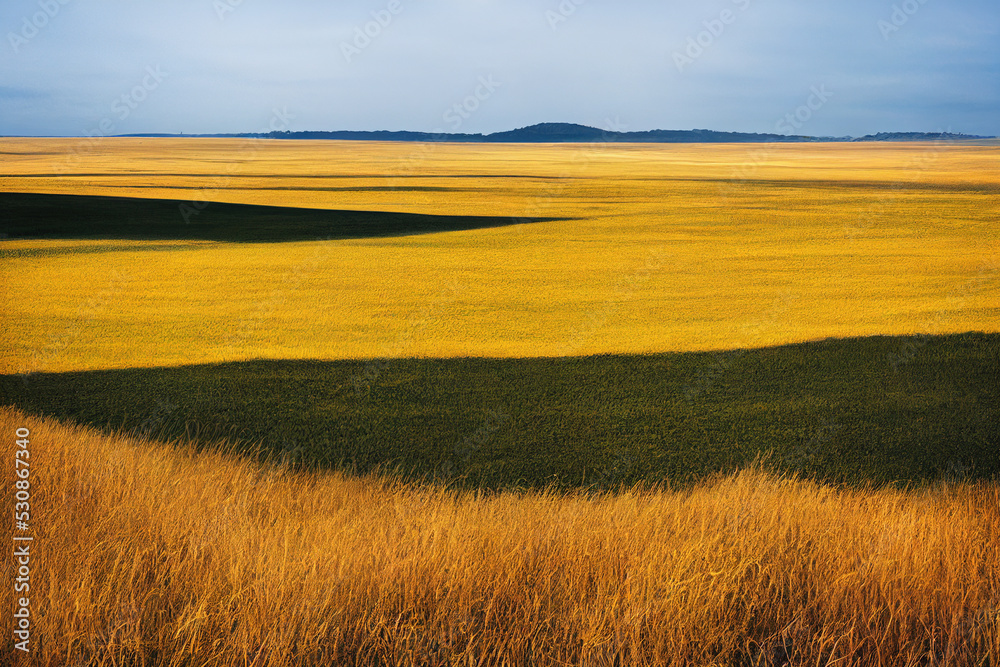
[{"x": 818, "y": 67}]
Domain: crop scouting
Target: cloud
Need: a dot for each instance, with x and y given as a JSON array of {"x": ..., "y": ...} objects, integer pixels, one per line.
[{"x": 559, "y": 60}]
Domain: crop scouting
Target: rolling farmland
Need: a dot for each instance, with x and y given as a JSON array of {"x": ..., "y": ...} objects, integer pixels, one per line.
[
  {"x": 654, "y": 249},
  {"x": 594, "y": 404}
]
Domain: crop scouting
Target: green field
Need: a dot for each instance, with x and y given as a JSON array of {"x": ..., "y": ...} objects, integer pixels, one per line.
[{"x": 880, "y": 409}]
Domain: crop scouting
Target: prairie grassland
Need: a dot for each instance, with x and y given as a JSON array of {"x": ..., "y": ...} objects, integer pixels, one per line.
[
  {"x": 149, "y": 554},
  {"x": 660, "y": 248},
  {"x": 152, "y": 554}
]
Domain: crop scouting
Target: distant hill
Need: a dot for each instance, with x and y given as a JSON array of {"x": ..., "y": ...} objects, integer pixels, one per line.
[
  {"x": 571, "y": 132},
  {"x": 561, "y": 132},
  {"x": 918, "y": 136}
]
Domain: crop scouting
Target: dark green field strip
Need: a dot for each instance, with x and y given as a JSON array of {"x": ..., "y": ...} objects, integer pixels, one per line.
[
  {"x": 883, "y": 410},
  {"x": 358, "y": 188},
  {"x": 25, "y": 215}
]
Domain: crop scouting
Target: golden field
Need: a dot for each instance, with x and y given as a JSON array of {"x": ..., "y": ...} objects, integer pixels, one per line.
[
  {"x": 660, "y": 248},
  {"x": 150, "y": 554}
]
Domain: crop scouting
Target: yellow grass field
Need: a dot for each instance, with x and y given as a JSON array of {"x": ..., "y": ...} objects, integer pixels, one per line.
[
  {"x": 663, "y": 248},
  {"x": 148, "y": 554}
]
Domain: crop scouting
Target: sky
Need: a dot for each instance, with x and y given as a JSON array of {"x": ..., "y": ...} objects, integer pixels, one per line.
[{"x": 821, "y": 68}]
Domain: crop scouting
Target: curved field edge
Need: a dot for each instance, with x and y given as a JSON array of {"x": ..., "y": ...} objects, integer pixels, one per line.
[
  {"x": 884, "y": 410},
  {"x": 48, "y": 216},
  {"x": 151, "y": 553},
  {"x": 645, "y": 249}
]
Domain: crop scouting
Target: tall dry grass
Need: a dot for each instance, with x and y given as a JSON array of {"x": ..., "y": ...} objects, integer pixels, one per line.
[{"x": 150, "y": 554}]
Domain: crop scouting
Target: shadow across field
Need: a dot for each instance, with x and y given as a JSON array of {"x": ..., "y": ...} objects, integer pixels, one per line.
[
  {"x": 881, "y": 410},
  {"x": 284, "y": 176},
  {"x": 48, "y": 216}
]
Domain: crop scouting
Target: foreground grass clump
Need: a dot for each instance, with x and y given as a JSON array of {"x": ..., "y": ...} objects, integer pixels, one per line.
[{"x": 151, "y": 554}]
